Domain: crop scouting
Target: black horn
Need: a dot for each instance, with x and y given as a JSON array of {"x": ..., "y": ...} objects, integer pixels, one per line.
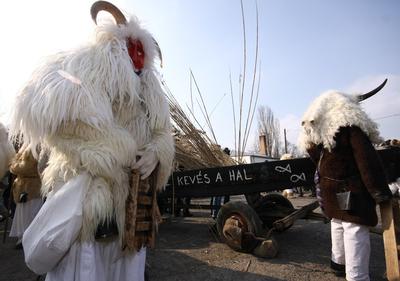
[
  {"x": 371, "y": 93},
  {"x": 108, "y": 7}
]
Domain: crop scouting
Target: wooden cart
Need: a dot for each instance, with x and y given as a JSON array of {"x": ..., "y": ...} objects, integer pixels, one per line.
[{"x": 267, "y": 211}]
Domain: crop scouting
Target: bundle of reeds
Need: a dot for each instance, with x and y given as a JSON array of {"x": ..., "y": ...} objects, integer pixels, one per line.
[{"x": 194, "y": 149}]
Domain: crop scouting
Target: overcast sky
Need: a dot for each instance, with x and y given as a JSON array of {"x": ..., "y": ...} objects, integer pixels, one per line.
[{"x": 306, "y": 47}]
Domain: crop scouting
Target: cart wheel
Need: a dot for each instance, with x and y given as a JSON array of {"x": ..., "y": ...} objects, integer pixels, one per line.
[
  {"x": 244, "y": 217},
  {"x": 272, "y": 207}
]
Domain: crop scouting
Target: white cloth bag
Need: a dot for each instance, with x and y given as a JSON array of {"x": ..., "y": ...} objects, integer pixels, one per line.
[{"x": 56, "y": 226}]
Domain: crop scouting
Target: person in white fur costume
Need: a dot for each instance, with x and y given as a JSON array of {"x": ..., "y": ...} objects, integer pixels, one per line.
[
  {"x": 26, "y": 192},
  {"x": 98, "y": 109}
]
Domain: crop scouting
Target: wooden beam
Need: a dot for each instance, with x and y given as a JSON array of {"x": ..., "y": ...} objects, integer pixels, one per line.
[
  {"x": 389, "y": 240},
  {"x": 287, "y": 221}
]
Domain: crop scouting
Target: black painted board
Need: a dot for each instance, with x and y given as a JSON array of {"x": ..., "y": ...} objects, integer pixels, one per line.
[
  {"x": 241, "y": 179},
  {"x": 258, "y": 177}
]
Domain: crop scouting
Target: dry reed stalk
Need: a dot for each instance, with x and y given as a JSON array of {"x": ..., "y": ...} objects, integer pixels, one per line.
[
  {"x": 241, "y": 92},
  {"x": 251, "y": 107},
  {"x": 233, "y": 111},
  {"x": 204, "y": 108}
]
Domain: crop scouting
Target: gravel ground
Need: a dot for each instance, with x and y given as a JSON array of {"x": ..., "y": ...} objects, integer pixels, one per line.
[{"x": 187, "y": 250}]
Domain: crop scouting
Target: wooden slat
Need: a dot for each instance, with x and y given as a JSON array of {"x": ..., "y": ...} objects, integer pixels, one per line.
[
  {"x": 396, "y": 220},
  {"x": 144, "y": 200},
  {"x": 143, "y": 213},
  {"x": 390, "y": 244},
  {"x": 396, "y": 217},
  {"x": 144, "y": 187},
  {"x": 143, "y": 226},
  {"x": 131, "y": 212}
]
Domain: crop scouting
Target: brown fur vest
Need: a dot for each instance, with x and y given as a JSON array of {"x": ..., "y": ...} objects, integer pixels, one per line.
[{"x": 24, "y": 166}]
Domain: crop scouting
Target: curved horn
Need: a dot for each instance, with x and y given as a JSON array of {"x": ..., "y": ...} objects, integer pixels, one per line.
[
  {"x": 159, "y": 52},
  {"x": 373, "y": 92},
  {"x": 108, "y": 7}
]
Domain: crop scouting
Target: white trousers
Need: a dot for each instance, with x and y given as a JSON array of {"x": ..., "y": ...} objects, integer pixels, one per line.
[
  {"x": 24, "y": 215},
  {"x": 351, "y": 247}
]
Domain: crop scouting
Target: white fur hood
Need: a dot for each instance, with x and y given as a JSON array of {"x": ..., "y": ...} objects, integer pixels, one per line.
[
  {"x": 134, "y": 30},
  {"x": 330, "y": 111}
]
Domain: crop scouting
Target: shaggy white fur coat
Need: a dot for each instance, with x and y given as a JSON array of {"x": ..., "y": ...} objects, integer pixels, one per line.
[
  {"x": 94, "y": 114},
  {"x": 7, "y": 151},
  {"x": 327, "y": 113}
]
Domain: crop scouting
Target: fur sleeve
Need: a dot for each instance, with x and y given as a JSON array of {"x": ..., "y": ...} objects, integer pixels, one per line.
[
  {"x": 100, "y": 153},
  {"x": 53, "y": 97},
  {"x": 70, "y": 87},
  {"x": 159, "y": 117},
  {"x": 315, "y": 153},
  {"x": 369, "y": 165}
]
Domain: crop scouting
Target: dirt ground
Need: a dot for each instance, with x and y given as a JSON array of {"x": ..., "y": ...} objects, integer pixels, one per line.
[{"x": 187, "y": 250}]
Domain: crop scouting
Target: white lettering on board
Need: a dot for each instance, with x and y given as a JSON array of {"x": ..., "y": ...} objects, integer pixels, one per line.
[
  {"x": 206, "y": 179},
  {"x": 218, "y": 178},
  {"x": 245, "y": 175},
  {"x": 239, "y": 176},
  {"x": 180, "y": 182},
  {"x": 232, "y": 175}
]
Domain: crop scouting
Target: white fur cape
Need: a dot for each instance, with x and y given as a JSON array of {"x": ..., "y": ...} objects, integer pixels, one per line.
[
  {"x": 7, "y": 151},
  {"x": 327, "y": 113},
  {"x": 94, "y": 113}
]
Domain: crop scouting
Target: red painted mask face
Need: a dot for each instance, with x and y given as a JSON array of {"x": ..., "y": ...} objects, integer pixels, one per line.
[{"x": 136, "y": 52}]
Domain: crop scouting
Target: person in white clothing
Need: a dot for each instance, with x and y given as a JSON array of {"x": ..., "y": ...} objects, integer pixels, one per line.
[
  {"x": 101, "y": 112},
  {"x": 26, "y": 192}
]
